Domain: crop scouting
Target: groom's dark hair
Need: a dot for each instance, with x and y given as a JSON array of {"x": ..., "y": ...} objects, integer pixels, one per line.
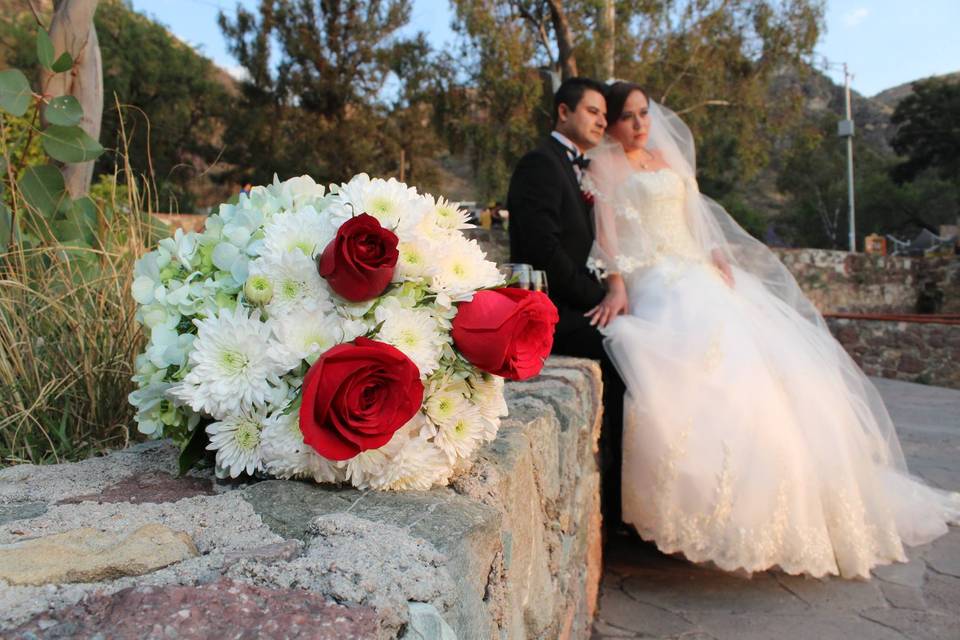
[{"x": 570, "y": 93}]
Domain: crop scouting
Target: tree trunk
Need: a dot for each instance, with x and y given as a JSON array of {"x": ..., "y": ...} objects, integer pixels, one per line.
[
  {"x": 607, "y": 39},
  {"x": 561, "y": 26},
  {"x": 72, "y": 31}
]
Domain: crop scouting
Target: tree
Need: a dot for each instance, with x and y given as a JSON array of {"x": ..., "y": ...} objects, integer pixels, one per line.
[
  {"x": 711, "y": 60},
  {"x": 72, "y": 32},
  {"x": 318, "y": 108},
  {"x": 929, "y": 130}
]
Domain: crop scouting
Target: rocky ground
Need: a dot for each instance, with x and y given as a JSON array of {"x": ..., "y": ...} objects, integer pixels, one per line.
[{"x": 648, "y": 595}]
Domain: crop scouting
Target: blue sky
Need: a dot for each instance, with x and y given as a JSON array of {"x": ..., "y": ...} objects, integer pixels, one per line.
[{"x": 885, "y": 42}]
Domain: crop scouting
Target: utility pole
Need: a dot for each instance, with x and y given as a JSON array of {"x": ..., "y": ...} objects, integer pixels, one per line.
[{"x": 845, "y": 130}]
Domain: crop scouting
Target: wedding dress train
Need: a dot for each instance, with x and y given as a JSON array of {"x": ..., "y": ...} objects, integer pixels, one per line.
[{"x": 750, "y": 438}]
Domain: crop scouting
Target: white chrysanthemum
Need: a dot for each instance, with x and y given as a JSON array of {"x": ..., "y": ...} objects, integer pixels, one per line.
[
  {"x": 463, "y": 268},
  {"x": 235, "y": 365},
  {"x": 397, "y": 206},
  {"x": 444, "y": 405},
  {"x": 304, "y": 230},
  {"x": 368, "y": 465},
  {"x": 307, "y": 334},
  {"x": 418, "y": 466},
  {"x": 285, "y": 455},
  {"x": 460, "y": 437},
  {"x": 415, "y": 259},
  {"x": 447, "y": 215},
  {"x": 237, "y": 441},
  {"x": 296, "y": 284},
  {"x": 415, "y": 332},
  {"x": 488, "y": 395}
]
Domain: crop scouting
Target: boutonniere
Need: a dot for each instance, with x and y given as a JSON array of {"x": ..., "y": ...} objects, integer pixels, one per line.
[{"x": 587, "y": 196}]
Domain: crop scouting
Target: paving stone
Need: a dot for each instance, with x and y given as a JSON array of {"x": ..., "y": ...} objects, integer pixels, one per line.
[
  {"x": 901, "y": 597},
  {"x": 942, "y": 593},
  {"x": 943, "y": 555},
  {"x": 21, "y": 511},
  {"x": 623, "y": 612},
  {"x": 224, "y": 609},
  {"x": 152, "y": 486},
  {"x": 809, "y": 626},
  {"x": 844, "y": 595},
  {"x": 907, "y": 574},
  {"x": 677, "y": 590},
  {"x": 917, "y": 625}
]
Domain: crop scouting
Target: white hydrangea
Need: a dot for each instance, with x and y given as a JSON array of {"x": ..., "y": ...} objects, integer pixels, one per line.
[{"x": 236, "y": 365}]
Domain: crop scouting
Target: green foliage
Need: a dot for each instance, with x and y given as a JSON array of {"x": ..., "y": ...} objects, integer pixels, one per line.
[
  {"x": 15, "y": 94},
  {"x": 316, "y": 107},
  {"x": 815, "y": 181},
  {"x": 929, "y": 131},
  {"x": 710, "y": 60}
]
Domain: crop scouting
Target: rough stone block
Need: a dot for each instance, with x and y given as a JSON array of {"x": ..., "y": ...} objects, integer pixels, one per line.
[{"x": 89, "y": 555}]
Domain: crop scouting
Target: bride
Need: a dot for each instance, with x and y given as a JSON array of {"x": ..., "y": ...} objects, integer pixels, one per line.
[{"x": 751, "y": 440}]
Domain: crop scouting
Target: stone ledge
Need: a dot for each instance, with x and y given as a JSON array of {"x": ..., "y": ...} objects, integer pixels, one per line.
[{"x": 510, "y": 550}]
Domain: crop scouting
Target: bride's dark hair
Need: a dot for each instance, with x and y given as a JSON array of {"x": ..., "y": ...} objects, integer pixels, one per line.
[{"x": 616, "y": 96}]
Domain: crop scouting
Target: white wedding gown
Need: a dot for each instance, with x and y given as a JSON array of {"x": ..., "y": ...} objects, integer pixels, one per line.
[{"x": 744, "y": 444}]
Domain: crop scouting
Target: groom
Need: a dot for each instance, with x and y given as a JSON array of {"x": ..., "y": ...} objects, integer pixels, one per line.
[{"x": 551, "y": 228}]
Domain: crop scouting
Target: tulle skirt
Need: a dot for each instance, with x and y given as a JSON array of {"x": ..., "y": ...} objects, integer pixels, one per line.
[{"x": 751, "y": 440}]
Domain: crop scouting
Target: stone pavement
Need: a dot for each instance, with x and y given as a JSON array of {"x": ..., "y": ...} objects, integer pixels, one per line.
[{"x": 648, "y": 595}]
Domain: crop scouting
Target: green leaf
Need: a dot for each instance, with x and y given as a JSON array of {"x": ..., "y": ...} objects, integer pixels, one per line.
[
  {"x": 195, "y": 449},
  {"x": 43, "y": 188},
  {"x": 63, "y": 63},
  {"x": 79, "y": 223},
  {"x": 5, "y": 228},
  {"x": 64, "y": 111},
  {"x": 69, "y": 144},
  {"x": 15, "y": 94},
  {"x": 44, "y": 49}
]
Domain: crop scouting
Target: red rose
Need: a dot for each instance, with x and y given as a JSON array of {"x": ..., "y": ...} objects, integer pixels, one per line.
[
  {"x": 355, "y": 396},
  {"x": 587, "y": 197},
  {"x": 359, "y": 263},
  {"x": 506, "y": 332}
]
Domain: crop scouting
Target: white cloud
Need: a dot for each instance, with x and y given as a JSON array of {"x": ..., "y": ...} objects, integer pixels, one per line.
[
  {"x": 237, "y": 72},
  {"x": 855, "y": 17}
]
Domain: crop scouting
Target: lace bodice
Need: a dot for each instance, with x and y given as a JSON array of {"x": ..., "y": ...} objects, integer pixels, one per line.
[{"x": 652, "y": 208}]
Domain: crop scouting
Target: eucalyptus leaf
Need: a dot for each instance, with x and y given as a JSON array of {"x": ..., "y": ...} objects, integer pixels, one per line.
[
  {"x": 5, "y": 228},
  {"x": 64, "y": 111},
  {"x": 43, "y": 188},
  {"x": 15, "y": 94},
  {"x": 79, "y": 223},
  {"x": 44, "y": 49},
  {"x": 63, "y": 63},
  {"x": 69, "y": 144}
]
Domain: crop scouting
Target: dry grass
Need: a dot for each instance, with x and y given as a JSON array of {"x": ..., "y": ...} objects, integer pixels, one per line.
[{"x": 68, "y": 337}]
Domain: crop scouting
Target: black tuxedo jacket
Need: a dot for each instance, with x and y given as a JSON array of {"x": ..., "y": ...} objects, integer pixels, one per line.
[{"x": 551, "y": 228}]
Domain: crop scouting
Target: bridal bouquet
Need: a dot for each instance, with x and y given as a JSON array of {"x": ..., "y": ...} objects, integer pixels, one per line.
[{"x": 344, "y": 335}]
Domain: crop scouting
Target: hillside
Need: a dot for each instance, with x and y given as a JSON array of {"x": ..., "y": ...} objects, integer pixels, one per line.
[{"x": 891, "y": 97}]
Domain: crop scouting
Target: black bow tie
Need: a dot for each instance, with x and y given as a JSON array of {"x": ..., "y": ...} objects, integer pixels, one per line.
[{"x": 581, "y": 161}]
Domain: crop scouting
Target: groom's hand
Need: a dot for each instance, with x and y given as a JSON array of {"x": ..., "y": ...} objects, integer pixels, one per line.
[{"x": 612, "y": 305}]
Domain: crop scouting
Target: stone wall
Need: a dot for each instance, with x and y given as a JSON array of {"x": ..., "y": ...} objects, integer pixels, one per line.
[
  {"x": 838, "y": 281},
  {"x": 924, "y": 352},
  {"x": 117, "y": 545}
]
